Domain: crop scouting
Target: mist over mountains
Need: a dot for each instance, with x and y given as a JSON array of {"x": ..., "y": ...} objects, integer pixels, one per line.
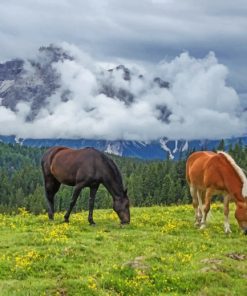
[{"x": 61, "y": 92}]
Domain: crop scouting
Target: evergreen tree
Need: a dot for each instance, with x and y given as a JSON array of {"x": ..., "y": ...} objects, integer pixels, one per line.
[{"x": 221, "y": 146}]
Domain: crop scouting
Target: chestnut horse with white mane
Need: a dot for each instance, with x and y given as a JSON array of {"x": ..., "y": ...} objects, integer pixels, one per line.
[{"x": 209, "y": 173}]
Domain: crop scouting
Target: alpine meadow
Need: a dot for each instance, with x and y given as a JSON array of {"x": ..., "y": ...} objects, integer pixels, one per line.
[{"x": 161, "y": 252}]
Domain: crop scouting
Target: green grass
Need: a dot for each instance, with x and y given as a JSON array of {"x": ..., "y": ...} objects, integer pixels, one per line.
[{"x": 159, "y": 253}]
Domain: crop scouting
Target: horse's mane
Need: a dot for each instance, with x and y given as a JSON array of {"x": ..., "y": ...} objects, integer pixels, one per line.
[
  {"x": 114, "y": 168},
  {"x": 238, "y": 170}
]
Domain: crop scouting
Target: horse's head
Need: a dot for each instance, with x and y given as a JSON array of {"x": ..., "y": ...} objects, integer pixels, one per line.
[
  {"x": 121, "y": 207},
  {"x": 241, "y": 215}
]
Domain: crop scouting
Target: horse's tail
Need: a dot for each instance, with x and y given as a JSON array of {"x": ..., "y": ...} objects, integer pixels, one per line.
[
  {"x": 187, "y": 175},
  {"x": 187, "y": 172}
]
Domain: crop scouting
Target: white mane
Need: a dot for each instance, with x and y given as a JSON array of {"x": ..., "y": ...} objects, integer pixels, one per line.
[{"x": 238, "y": 170}]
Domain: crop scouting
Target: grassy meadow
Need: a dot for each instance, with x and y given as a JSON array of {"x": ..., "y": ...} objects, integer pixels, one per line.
[{"x": 159, "y": 253}]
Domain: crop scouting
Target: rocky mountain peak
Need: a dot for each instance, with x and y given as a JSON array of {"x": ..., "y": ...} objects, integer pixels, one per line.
[
  {"x": 35, "y": 80},
  {"x": 11, "y": 69},
  {"x": 55, "y": 53}
]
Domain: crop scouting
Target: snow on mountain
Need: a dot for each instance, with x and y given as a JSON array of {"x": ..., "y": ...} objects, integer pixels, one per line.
[
  {"x": 164, "y": 146},
  {"x": 185, "y": 147},
  {"x": 5, "y": 85},
  {"x": 114, "y": 148}
]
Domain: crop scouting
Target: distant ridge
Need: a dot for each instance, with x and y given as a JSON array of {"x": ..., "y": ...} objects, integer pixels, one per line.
[{"x": 160, "y": 149}]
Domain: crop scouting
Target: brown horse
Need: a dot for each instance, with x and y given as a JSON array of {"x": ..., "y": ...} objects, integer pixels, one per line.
[
  {"x": 83, "y": 168},
  {"x": 210, "y": 173}
]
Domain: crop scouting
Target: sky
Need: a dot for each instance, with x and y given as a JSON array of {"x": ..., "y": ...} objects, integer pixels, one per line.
[{"x": 199, "y": 46}]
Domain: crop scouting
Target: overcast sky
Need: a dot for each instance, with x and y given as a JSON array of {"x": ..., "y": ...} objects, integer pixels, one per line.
[{"x": 143, "y": 32}]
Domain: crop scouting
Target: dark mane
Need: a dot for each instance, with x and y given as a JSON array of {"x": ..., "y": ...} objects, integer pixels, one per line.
[{"x": 111, "y": 164}]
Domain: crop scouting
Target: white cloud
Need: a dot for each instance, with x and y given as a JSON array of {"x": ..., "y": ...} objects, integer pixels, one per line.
[{"x": 202, "y": 104}]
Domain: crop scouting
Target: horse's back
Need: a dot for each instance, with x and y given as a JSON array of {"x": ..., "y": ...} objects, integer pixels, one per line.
[
  {"x": 202, "y": 169},
  {"x": 65, "y": 152},
  {"x": 197, "y": 160},
  {"x": 76, "y": 157},
  {"x": 49, "y": 155},
  {"x": 70, "y": 166}
]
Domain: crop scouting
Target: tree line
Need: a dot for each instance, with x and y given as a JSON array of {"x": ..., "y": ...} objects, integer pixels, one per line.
[{"x": 160, "y": 182}]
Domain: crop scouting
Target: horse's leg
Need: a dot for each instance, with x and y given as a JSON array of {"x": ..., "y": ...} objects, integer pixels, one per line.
[
  {"x": 226, "y": 213},
  {"x": 193, "y": 193},
  {"x": 201, "y": 198},
  {"x": 93, "y": 191},
  {"x": 206, "y": 207},
  {"x": 75, "y": 195},
  {"x": 51, "y": 188}
]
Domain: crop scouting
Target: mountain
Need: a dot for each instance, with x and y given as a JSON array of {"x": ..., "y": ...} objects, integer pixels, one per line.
[
  {"x": 36, "y": 80},
  {"x": 160, "y": 149},
  {"x": 31, "y": 81}
]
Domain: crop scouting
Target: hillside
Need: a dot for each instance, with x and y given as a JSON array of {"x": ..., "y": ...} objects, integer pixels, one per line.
[
  {"x": 159, "y": 253},
  {"x": 148, "y": 182}
]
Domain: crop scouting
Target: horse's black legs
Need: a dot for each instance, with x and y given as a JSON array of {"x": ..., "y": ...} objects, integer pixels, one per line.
[
  {"x": 50, "y": 204},
  {"x": 93, "y": 191},
  {"x": 75, "y": 195},
  {"x": 51, "y": 188}
]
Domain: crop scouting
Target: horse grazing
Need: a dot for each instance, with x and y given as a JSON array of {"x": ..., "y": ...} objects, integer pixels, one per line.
[
  {"x": 210, "y": 173},
  {"x": 83, "y": 168}
]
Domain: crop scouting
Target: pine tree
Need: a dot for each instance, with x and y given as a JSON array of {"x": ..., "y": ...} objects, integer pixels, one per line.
[{"x": 221, "y": 146}]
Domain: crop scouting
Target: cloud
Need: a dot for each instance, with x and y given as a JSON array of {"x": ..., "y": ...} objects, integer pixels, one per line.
[
  {"x": 144, "y": 30},
  {"x": 201, "y": 102}
]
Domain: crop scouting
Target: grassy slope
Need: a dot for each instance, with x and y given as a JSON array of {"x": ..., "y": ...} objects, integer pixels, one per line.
[{"x": 160, "y": 253}]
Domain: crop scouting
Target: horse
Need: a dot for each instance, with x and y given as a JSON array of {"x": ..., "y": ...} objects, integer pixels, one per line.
[
  {"x": 82, "y": 168},
  {"x": 209, "y": 173}
]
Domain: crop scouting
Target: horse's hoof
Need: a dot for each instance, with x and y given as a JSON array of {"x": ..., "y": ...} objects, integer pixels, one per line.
[
  {"x": 228, "y": 231},
  {"x": 66, "y": 221},
  {"x": 203, "y": 226},
  {"x": 123, "y": 225},
  {"x": 92, "y": 223}
]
